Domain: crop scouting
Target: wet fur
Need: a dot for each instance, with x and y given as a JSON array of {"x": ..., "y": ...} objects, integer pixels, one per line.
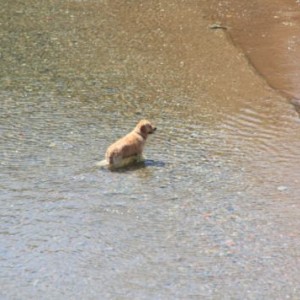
[{"x": 121, "y": 164}]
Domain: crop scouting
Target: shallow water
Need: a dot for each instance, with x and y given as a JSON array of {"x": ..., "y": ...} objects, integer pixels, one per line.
[{"x": 213, "y": 211}]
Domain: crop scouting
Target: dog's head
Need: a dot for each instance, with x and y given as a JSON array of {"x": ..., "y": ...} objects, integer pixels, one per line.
[{"x": 144, "y": 127}]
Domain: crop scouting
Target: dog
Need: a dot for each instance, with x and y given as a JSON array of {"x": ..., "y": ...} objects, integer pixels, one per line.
[{"x": 130, "y": 147}]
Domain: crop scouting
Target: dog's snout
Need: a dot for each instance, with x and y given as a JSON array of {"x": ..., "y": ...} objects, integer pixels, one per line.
[{"x": 153, "y": 130}]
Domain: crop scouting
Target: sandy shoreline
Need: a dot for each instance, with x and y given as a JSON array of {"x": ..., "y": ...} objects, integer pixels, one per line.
[{"x": 268, "y": 33}]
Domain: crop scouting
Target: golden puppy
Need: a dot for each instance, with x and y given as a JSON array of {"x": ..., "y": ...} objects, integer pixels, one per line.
[{"x": 131, "y": 146}]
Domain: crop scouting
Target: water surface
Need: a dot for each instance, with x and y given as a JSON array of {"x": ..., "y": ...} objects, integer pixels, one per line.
[{"x": 214, "y": 210}]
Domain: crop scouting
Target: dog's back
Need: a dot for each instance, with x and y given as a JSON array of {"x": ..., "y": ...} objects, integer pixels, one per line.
[{"x": 130, "y": 145}]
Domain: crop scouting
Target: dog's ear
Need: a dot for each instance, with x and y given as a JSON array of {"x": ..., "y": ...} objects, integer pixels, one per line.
[{"x": 144, "y": 129}]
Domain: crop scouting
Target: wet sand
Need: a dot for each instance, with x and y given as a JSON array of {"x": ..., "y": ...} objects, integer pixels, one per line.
[{"x": 268, "y": 32}]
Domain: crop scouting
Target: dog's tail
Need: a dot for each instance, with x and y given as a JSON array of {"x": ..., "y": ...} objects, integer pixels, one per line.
[{"x": 102, "y": 163}]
